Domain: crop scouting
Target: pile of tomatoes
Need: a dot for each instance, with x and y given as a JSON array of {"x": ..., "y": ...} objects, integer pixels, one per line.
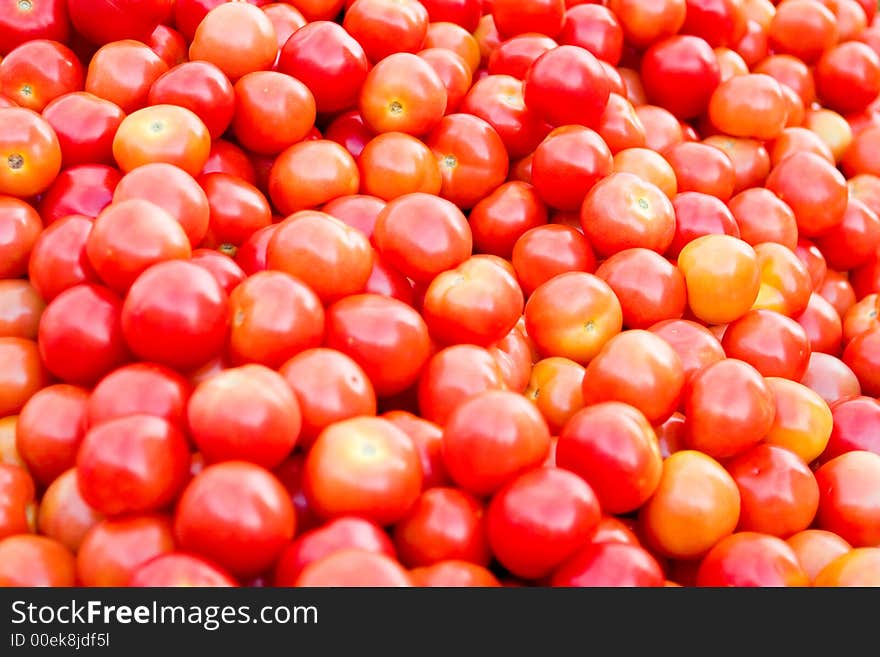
[{"x": 439, "y": 293}]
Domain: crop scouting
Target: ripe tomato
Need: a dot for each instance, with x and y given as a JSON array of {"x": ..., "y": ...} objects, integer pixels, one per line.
[
  {"x": 428, "y": 440},
  {"x": 848, "y": 503},
  {"x": 702, "y": 168},
  {"x": 226, "y": 157},
  {"x": 751, "y": 161},
  {"x": 311, "y": 173},
  {"x": 27, "y": 560},
  {"x": 177, "y": 569},
  {"x": 556, "y": 387},
  {"x": 25, "y": 21},
  {"x": 613, "y": 447},
  {"x": 175, "y": 314},
  {"x": 386, "y": 337},
  {"x": 58, "y": 260},
  {"x": 772, "y": 343},
  {"x": 20, "y": 309},
  {"x": 858, "y": 567},
  {"x": 763, "y": 217},
  {"x": 622, "y": 211},
  {"x": 84, "y": 125},
  {"x": 540, "y": 16},
  {"x": 680, "y": 525},
  {"x": 620, "y": 126},
  {"x": 545, "y": 251},
  {"x": 39, "y": 71},
  {"x": 491, "y": 438},
  {"x": 595, "y": 28},
  {"x": 816, "y": 548},
  {"x": 386, "y": 27},
  {"x": 30, "y": 155},
  {"x": 236, "y": 209},
  {"x": 21, "y": 226},
  {"x": 531, "y": 539},
  {"x": 644, "y": 24},
  {"x": 567, "y": 164},
  {"x": 354, "y": 567},
  {"x": 680, "y": 73},
  {"x": 236, "y": 514},
  {"x": 102, "y": 21},
  {"x": 813, "y": 188},
  {"x": 751, "y": 559},
  {"x": 200, "y": 87},
  {"x": 394, "y": 163},
  {"x": 861, "y": 356},
  {"x": 453, "y": 71},
  {"x": 402, "y": 93},
  {"x": 63, "y": 514},
  {"x": 698, "y": 214},
  {"x": 855, "y": 422},
  {"x": 606, "y": 564},
  {"x": 648, "y": 165},
  {"x": 238, "y": 38},
  {"x": 802, "y": 423},
  {"x": 567, "y": 85},
  {"x": 804, "y": 29},
  {"x": 122, "y": 72},
  {"x": 502, "y": 217},
  {"x": 139, "y": 389},
  {"x": 113, "y": 549},
  {"x": 830, "y": 378},
  {"x": 763, "y": 116},
  {"x": 84, "y": 189},
  {"x": 18, "y": 492}
]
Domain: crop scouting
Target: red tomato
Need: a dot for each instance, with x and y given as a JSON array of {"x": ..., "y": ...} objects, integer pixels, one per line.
[
  {"x": 84, "y": 189},
  {"x": 567, "y": 85},
  {"x": 729, "y": 408},
  {"x": 829, "y": 377},
  {"x": 345, "y": 533},
  {"x": 531, "y": 539},
  {"x": 594, "y": 28},
  {"x": 139, "y": 389},
  {"x": 21, "y": 228},
  {"x": 680, "y": 73},
  {"x": 114, "y": 548},
  {"x": 236, "y": 37},
  {"x": 354, "y": 567},
  {"x": 696, "y": 346},
  {"x": 513, "y": 56},
  {"x": 32, "y": 154},
  {"x": 609, "y": 564},
  {"x": 122, "y": 72},
  {"x": 644, "y": 24},
  {"x": 200, "y": 87},
  {"x": 813, "y": 188},
  {"x": 25, "y": 21},
  {"x": 848, "y": 504},
  {"x": 858, "y": 567},
  {"x": 37, "y": 72},
  {"x": 177, "y": 569},
  {"x": 175, "y": 314},
  {"x": 764, "y": 217},
  {"x": 452, "y": 376},
  {"x": 856, "y": 420},
  {"x": 236, "y": 514},
  {"x": 816, "y": 548},
  {"x": 772, "y": 343},
  {"x": 861, "y": 355},
  {"x": 20, "y": 309},
  {"x": 385, "y": 27},
  {"x": 502, "y": 217},
  {"x": 428, "y": 439},
  {"x": 751, "y": 559},
  {"x": 453, "y": 573},
  {"x": 58, "y": 260},
  {"x": 613, "y": 447},
  {"x": 567, "y": 164},
  {"x": 17, "y": 489},
  {"x": 311, "y": 173},
  {"x": 27, "y": 560},
  {"x": 63, "y": 514},
  {"x": 491, "y": 438},
  {"x": 84, "y": 125},
  {"x": 102, "y": 21}
]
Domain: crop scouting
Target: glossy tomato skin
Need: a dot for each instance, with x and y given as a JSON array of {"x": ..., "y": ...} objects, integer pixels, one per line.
[
  {"x": 236, "y": 514},
  {"x": 846, "y": 504},
  {"x": 200, "y": 87},
  {"x": 830, "y": 378},
  {"x": 680, "y": 73},
  {"x": 751, "y": 559},
  {"x": 347, "y": 532},
  {"x": 816, "y": 548},
  {"x": 855, "y": 422},
  {"x": 861, "y": 355},
  {"x": 858, "y": 567},
  {"x": 260, "y": 332},
  {"x": 139, "y": 389},
  {"x": 179, "y": 330},
  {"x": 122, "y": 72},
  {"x": 101, "y": 21},
  {"x": 526, "y": 536},
  {"x": 246, "y": 413},
  {"x": 23, "y": 374},
  {"x": 84, "y": 320},
  {"x": 542, "y": 16},
  {"x": 33, "y": 154},
  {"x": 115, "y": 547},
  {"x": 20, "y": 309},
  {"x": 567, "y": 85},
  {"x": 21, "y": 22},
  {"x": 502, "y": 217},
  {"x": 354, "y": 567},
  {"x": 384, "y": 28},
  {"x": 613, "y": 447},
  {"x": 773, "y": 343},
  {"x": 84, "y": 189},
  {"x": 606, "y": 564},
  {"x": 513, "y": 56},
  {"x": 134, "y": 464},
  {"x": 64, "y": 515},
  {"x": 363, "y": 466},
  {"x": 39, "y": 71},
  {"x": 85, "y": 125},
  {"x": 22, "y": 227},
  {"x": 813, "y": 188},
  {"x": 444, "y": 523},
  {"x": 29, "y": 560},
  {"x": 238, "y": 39},
  {"x": 58, "y": 260},
  {"x": 49, "y": 430},
  {"x": 236, "y": 209},
  {"x": 311, "y": 173},
  {"x": 453, "y": 573},
  {"x": 329, "y": 387},
  {"x": 567, "y": 164}
]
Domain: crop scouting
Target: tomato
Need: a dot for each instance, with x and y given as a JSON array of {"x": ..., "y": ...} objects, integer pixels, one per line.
[
  {"x": 23, "y": 21},
  {"x": 349, "y": 131},
  {"x": 822, "y": 324},
  {"x": 680, "y": 525},
  {"x": 622, "y": 212},
  {"x": 84, "y": 125},
  {"x": 838, "y": 291},
  {"x": 751, "y": 559},
  {"x": 620, "y": 126},
  {"x": 861, "y": 356},
  {"x": 39, "y": 71},
  {"x": 613, "y": 447},
  {"x": 813, "y": 188},
  {"x": 719, "y": 293},
  {"x": 128, "y": 237},
  {"x": 454, "y": 375},
  {"x": 556, "y": 387},
  {"x": 848, "y": 503},
  {"x": 662, "y": 129},
  {"x": 804, "y": 29},
  {"x": 169, "y": 44},
  {"x": 514, "y": 56},
  {"x": 648, "y": 165},
  {"x": 17, "y": 489},
  {"x": 649, "y": 288},
  {"x": 763, "y": 217},
  {"x": 237, "y": 515},
  {"x": 226, "y": 157},
  {"x": 594, "y": 28},
  {"x": 722, "y": 22},
  {"x": 855, "y": 422},
  {"x": 177, "y": 569},
  {"x": 386, "y": 27},
  {"x": 114, "y": 548},
  {"x": 134, "y": 464},
  {"x": 763, "y": 116},
  {"x": 200, "y": 87},
  {"x": 607, "y": 564},
  {"x": 58, "y": 260},
  {"x": 175, "y": 314},
  {"x": 443, "y": 524},
  {"x": 84, "y": 189},
  {"x": 428, "y": 440},
  {"x": 20, "y": 309},
  {"x": 751, "y": 161},
  {"x": 354, "y": 567},
  {"x": 461, "y": 12},
  {"x": 579, "y": 328},
  {"x": 102, "y": 21},
  {"x": 830, "y": 378},
  {"x": 803, "y": 421},
  {"x": 645, "y": 24},
  {"x": 858, "y": 567},
  {"x": 422, "y": 235},
  {"x": 815, "y": 549},
  {"x": 30, "y": 152},
  {"x": 50, "y": 428},
  {"x": 453, "y": 71},
  {"x": 567, "y": 85},
  {"x": 122, "y": 72},
  {"x": 702, "y": 168},
  {"x": 236, "y": 209},
  {"x": 394, "y": 163},
  {"x": 698, "y": 214},
  {"x": 772, "y": 343},
  {"x": 139, "y": 389},
  {"x": 63, "y": 514},
  {"x": 491, "y": 438},
  {"x": 498, "y": 99},
  {"x": 386, "y": 337},
  {"x": 502, "y": 217},
  {"x": 695, "y": 345},
  {"x": 729, "y": 407},
  {"x": 329, "y": 387},
  {"x": 21, "y": 226},
  {"x": 27, "y": 560},
  {"x": 273, "y": 317},
  {"x": 680, "y": 73},
  {"x": 238, "y": 38},
  {"x": 567, "y": 164},
  {"x": 402, "y": 93},
  {"x": 311, "y": 173}
]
